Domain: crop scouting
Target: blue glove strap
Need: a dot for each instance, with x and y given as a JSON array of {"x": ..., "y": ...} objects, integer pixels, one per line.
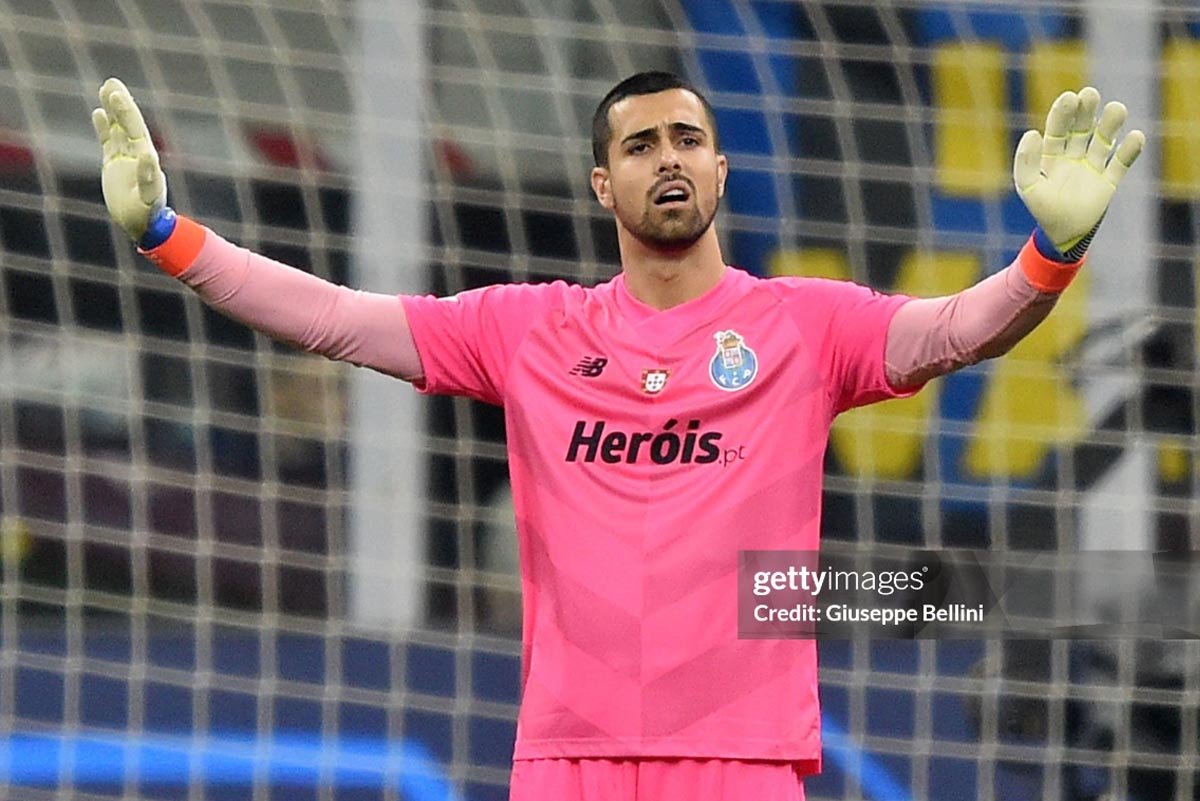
[
  {"x": 161, "y": 226},
  {"x": 1077, "y": 251},
  {"x": 1044, "y": 246}
]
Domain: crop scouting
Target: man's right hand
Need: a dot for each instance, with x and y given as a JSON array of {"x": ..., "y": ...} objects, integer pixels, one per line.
[{"x": 135, "y": 189}]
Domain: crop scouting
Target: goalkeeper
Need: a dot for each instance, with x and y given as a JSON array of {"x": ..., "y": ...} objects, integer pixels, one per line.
[{"x": 697, "y": 429}]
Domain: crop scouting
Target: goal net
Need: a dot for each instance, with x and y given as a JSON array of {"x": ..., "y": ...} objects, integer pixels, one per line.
[{"x": 235, "y": 571}]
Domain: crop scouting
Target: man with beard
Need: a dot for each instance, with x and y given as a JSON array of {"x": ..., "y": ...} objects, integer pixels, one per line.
[{"x": 658, "y": 424}]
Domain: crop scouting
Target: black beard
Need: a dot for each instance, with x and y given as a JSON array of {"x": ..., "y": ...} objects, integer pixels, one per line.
[{"x": 674, "y": 229}]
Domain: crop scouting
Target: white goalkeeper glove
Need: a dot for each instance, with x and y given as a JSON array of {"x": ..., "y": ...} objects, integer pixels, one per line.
[
  {"x": 1067, "y": 178},
  {"x": 135, "y": 189}
]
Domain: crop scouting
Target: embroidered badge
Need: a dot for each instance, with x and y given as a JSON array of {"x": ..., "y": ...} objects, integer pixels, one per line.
[
  {"x": 653, "y": 381},
  {"x": 734, "y": 365}
]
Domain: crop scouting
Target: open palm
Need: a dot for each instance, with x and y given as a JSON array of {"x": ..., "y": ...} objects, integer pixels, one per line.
[
  {"x": 133, "y": 183},
  {"x": 1068, "y": 177}
]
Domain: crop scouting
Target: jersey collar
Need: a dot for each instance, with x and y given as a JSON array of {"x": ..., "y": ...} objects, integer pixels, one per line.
[{"x": 643, "y": 315}]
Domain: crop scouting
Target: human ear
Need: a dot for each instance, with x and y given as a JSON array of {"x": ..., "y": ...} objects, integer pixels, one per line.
[{"x": 602, "y": 186}]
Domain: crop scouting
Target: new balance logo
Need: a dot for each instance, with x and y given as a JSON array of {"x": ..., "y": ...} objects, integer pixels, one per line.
[{"x": 590, "y": 366}]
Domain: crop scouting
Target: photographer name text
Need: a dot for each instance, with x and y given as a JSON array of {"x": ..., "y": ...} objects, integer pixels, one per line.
[{"x": 843, "y": 613}]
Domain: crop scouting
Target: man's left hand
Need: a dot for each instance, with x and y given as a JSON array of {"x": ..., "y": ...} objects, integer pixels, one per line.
[{"x": 1067, "y": 177}]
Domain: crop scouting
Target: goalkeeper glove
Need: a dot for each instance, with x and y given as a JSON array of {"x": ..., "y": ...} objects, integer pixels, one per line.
[
  {"x": 1067, "y": 178},
  {"x": 135, "y": 189}
]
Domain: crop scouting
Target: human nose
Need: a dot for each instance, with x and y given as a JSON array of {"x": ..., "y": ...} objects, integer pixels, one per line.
[{"x": 668, "y": 161}]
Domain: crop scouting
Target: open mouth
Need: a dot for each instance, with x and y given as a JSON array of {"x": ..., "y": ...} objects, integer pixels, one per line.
[{"x": 675, "y": 192}]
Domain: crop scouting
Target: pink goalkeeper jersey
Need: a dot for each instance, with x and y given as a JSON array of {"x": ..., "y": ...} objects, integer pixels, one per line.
[{"x": 646, "y": 449}]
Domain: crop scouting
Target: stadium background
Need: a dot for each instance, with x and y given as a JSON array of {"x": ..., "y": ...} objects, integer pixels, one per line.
[{"x": 233, "y": 571}]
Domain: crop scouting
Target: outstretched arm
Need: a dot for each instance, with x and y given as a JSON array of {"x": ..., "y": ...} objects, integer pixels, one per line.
[
  {"x": 282, "y": 302},
  {"x": 1067, "y": 178}
]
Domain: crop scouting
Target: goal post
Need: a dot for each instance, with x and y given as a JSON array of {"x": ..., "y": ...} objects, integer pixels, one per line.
[{"x": 387, "y": 421}]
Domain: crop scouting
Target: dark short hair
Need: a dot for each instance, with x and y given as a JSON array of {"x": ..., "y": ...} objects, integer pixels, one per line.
[{"x": 644, "y": 83}]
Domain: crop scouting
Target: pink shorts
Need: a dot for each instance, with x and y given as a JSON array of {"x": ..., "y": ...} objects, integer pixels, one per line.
[{"x": 654, "y": 780}]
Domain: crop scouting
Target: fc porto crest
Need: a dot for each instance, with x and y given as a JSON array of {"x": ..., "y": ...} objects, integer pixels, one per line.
[{"x": 734, "y": 365}]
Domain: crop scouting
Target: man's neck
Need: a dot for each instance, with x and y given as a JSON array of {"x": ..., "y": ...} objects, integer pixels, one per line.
[{"x": 665, "y": 278}]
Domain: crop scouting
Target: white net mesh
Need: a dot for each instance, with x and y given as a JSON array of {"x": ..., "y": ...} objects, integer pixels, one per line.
[{"x": 174, "y": 491}]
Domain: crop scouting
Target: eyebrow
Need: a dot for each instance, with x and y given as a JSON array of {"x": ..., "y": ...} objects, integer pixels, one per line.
[{"x": 676, "y": 127}]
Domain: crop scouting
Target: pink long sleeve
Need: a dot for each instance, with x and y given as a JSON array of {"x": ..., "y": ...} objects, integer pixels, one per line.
[
  {"x": 931, "y": 337},
  {"x": 364, "y": 328}
]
